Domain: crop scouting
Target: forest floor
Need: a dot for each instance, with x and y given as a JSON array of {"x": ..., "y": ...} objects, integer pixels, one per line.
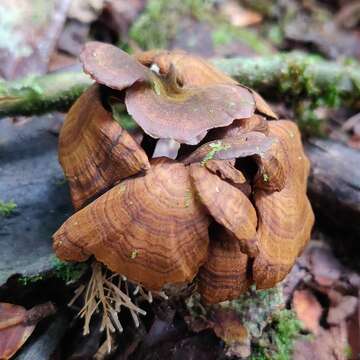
[{"x": 322, "y": 290}]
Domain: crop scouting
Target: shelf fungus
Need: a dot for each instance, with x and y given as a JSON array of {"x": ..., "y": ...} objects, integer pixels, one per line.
[{"x": 212, "y": 191}]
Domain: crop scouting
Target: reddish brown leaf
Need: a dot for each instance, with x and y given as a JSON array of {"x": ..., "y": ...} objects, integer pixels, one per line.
[
  {"x": 227, "y": 326},
  {"x": 324, "y": 266},
  {"x": 307, "y": 309},
  {"x": 329, "y": 345},
  {"x": 343, "y": 310},
  {"x": 13, "y": 333}
]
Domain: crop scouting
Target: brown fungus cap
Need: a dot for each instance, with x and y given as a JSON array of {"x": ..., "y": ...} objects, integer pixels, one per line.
[
  {"x": 248, "y": 176},
  {"x": 192, "y": 70},
  {"x": 224, "y": 276},
  {"x": 255, "y": 123},
  {"x": 228, "y": 206},
  {"x": 112, "y": 67},
  {"x": 230, "y": 148},
  {"x": 161, "y": 107},
  {"x": 148, "y": 228},
  {"x": 285, "y": 217},
  {"x": 263, "y": 149},
  {"x": 94, "y": 151},
  {"x": 187, "y": 114},
  {"x": 227, "y": 171},
  {"x": 262, "y": 107},
  {"x": 195, "y": 71}
]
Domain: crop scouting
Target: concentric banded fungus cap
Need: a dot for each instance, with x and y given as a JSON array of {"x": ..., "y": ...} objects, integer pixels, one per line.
[
  {"x": 148, "y": 228},
  {"x": 247, "y": 178},
  {"x": 227, "y": 171},
  {"x": 224, "y": 276},
  {"x": 228, "y": 206},
  {"x": 94, "y": 151},
  {"x": 285, "y": 217},
  {"x": 264, "y": 150}
]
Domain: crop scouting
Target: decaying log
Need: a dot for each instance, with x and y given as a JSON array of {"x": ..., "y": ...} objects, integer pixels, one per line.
[{"x": 334, "y": 186}]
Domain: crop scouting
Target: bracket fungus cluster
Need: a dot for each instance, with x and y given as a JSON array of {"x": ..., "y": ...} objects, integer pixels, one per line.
[{"x": 210, "y": 186}]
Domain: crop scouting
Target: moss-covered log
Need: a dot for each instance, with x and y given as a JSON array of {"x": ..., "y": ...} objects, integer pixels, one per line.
[
  {"x": 297, "y": 76},
  {"x": 36, "y": 95}
]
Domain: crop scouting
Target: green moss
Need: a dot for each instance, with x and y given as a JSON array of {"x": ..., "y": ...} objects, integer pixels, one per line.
[
  {"x": 266, "y": 178},
  {"x": 26, "y": 280},
  {"x": 61, "y": 270},
  {"x": 310, "y": 123},
  {"x": 188, "y": 198},
  {"x": 225, "y": 33},
  {"x": 272, "y": 329},
  {"x": 275, "y": 34},
  {"x": 160, "y": 21},
  {"x": 134, "y": 254},
  {"x": 221, "y": 37},
  {"x": 68, "y": 271},
  {"x": 285, "y": 329},
  {"x": 256, "y": 307},
  {"x": 214, "y": 148},
  {"x": 122, "y": 117},
  {"x": 7, "y": 208},
  {"x": 348, "y": 352}
]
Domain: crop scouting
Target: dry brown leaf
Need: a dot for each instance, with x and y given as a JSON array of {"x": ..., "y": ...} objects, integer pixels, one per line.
[
  {"x": 307, "y": 309},
  {"x": 17, "y": 324},
  {"x": 237, "y": 15},
  {"x": 227, "y": 326},
  {"x": 346, "y": 307},
  {"x": 324, "y": 266},
  {"x": 329, "y": 345}
]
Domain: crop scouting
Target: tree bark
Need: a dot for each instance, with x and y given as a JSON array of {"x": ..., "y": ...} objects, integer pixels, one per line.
[
  {"x": 36, "y": 95},
  {"x": 334, "y": 187}
]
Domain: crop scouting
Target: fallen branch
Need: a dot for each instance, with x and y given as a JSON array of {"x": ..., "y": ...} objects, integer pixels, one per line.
[
  {"x": 294, "y": 75},
  {"x": 334, "y": 188},
  {"x": 36, "y": 95},
  {"x": 297, "y": 75}
]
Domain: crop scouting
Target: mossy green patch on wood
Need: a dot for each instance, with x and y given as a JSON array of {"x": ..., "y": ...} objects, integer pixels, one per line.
[
  {"x": 225, "y": 33},
  {"x": 122, "y": 117},
  {"x": 281, "y": 334},
  {"x": 161, "y": 21},
  {"x": 68, "y": 271},
  {"x": 272, "y": 329},
  {"x": 62, "y": 270},
  {"x": 7, "y": 208},
  {"x": 215, "y": 147}
]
